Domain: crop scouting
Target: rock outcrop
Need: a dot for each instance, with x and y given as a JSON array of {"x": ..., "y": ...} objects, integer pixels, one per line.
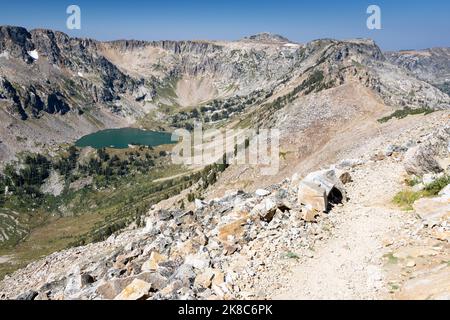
[
  {"x": 431, "y": 156},
  {"x": 16, "y": 42}
]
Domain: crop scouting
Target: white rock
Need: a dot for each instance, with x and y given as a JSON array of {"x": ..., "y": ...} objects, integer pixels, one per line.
[
  {"x": 445, "y": 192},
  {"x": 428, "y": 178},
  {"x": 410, "y": 263},
  {"x": 349, "y": 163},
  {"x": 262, "y": 192},
  {"x": 199, "y": 204},
  {"x": 418, "y": 187},
  {"x": 197, "y": 261},
  {"x": 326, "y": 179},
  {"x": 4, "y": 54},
  {"x": 73, "y": 285},
  {"x": 432, "y": 210},
  {"x": 295, "y": 179}
]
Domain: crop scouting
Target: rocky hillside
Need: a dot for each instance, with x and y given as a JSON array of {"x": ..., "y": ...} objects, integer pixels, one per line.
[
  {"x": 431, "y": 65},
  {"x": 248, "y": 244}
]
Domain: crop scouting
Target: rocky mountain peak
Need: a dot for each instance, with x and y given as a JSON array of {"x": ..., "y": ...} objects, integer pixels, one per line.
[
  {"x": 15, "y": 41},
  {"x": 267, "y": 37}
]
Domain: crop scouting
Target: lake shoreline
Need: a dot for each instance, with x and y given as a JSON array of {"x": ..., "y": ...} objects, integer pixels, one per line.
[{"x": 123, "y": 138}]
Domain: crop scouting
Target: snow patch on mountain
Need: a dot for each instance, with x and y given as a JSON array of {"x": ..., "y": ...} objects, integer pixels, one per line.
[{"x": 34, "y": 54}]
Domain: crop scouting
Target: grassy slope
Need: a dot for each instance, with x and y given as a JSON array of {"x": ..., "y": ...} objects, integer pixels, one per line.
[{"x": 94, "y": 214}]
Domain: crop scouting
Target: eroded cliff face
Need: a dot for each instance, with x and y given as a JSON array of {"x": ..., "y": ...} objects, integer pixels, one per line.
[
  {"x": 50, "y": 67},
  {"x": 16, "y": 42}
]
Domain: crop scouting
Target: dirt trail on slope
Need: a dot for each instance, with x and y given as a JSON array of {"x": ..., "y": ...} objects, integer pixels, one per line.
[{"x": 350, "y": 264}]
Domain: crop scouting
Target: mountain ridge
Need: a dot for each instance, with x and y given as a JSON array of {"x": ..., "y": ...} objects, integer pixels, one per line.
[{"x": 116, "y": 83}]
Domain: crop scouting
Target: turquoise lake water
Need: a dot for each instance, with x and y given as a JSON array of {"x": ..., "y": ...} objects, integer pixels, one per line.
[{"x": 122, "y": 138}]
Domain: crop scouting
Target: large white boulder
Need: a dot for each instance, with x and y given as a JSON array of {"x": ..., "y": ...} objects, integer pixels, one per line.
[
  {"x": 320, "y": 188},
  {"x": 328, "y": 180},
  {"x": 312, "y": 196}
]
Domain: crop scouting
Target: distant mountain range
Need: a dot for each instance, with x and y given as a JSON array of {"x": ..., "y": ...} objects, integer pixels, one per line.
[{"x": 54, "y": 88}]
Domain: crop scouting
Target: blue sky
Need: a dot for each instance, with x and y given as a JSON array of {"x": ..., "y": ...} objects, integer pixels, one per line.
[{"x": 405, "y": 24}]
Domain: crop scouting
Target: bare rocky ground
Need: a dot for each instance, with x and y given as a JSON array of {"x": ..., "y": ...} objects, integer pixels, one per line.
[
  {"x": 266, "y": 245},
  {"x": 349, "y": 265},
  {"x": 373, "y": 248}
]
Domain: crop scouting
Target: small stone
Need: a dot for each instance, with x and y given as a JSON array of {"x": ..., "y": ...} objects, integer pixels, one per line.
[
  {"x": 199, "y": 204},
  {"x": 441, "y": 235},
  {"x": 123, "y": 259},
  {"x": 445, "y": 192},
  {"x": 29, "y": 295},
  {"x": 229, "y": 249},
  {"x": 218, "y": 291},
  {"x": 152, "y": 263},
  {"x": 219, "y": 277},
  {"x": 389, "y": 150},
  {"x": 418, "y": 187},
  {"x": 185, "y": 273},
  {"x": 410, "y": 263},
  {"x": 345, "y": 178},
  {"x": 388, "y": 242},
  {"x": 428, "y": 178},
  {"x": 349, "y": 163},
  {"x": 262, "y": 193},
  {"x": 378, "y": 156},
  {"x": 171, "y": 288},
  {"x": 203, "y": 280},
  {"x": 266, "y": 209},
  {"x": 137, "y": 290},
  {"x": 42, "y": 296},
  {"x": 197, "y": 261},
  {"x": 86, "y": 279},
  {"x": 309, "y": 214}
]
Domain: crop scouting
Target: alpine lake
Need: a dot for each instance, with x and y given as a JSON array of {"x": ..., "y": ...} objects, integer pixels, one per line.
[{"x": 123, "y": 138}]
